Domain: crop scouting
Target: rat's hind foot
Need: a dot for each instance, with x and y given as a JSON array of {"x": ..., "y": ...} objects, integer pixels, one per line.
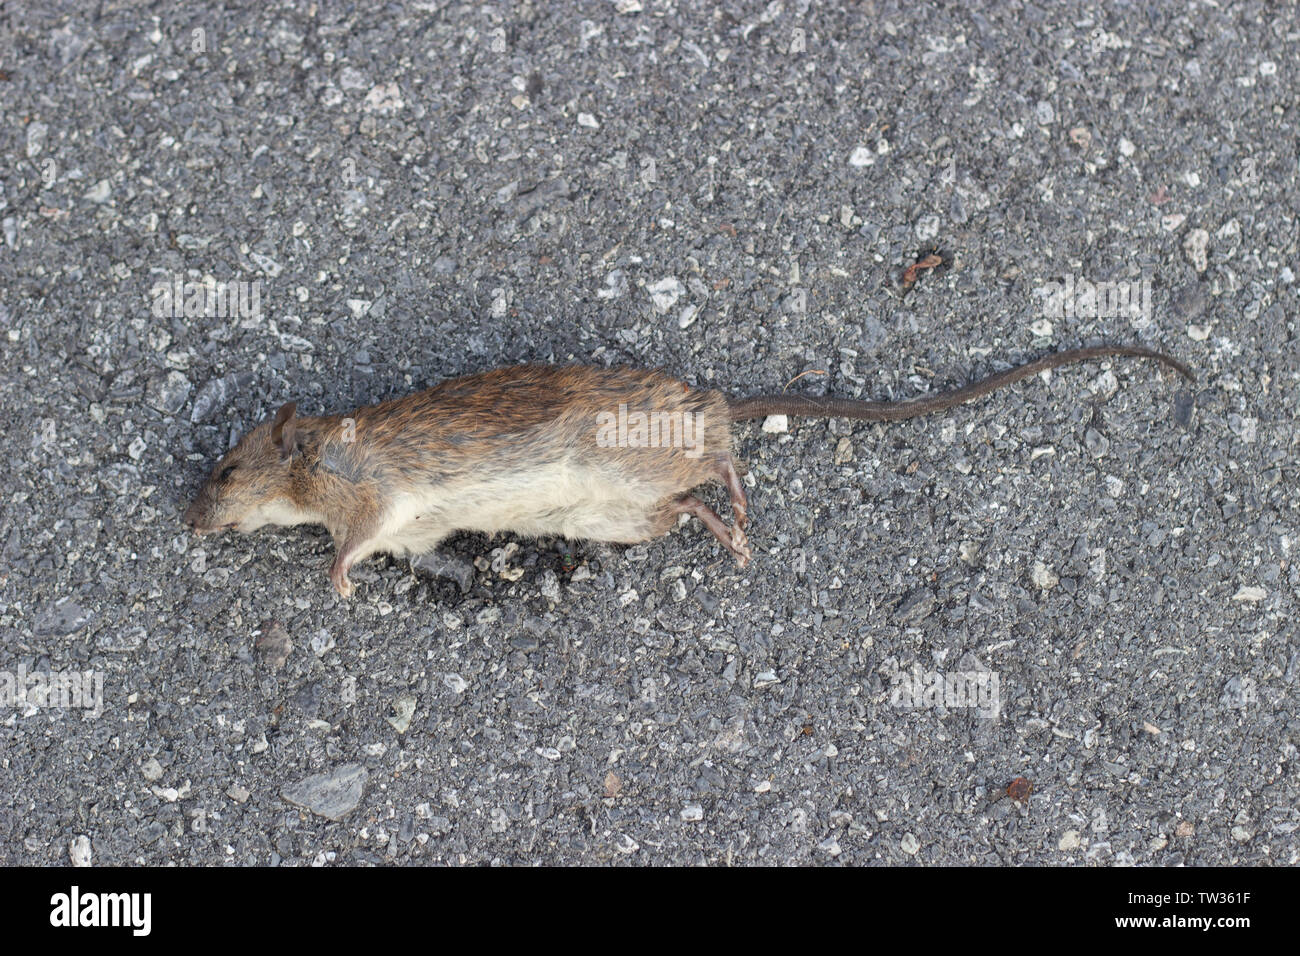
[
  {"x": 726, "y": 469},
  {"x": 733, "y": 539},
  {"x": 740, "y": 547}
]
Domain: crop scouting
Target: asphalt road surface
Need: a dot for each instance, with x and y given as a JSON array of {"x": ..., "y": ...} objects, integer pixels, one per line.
[{"x": 1099, "y": 578}]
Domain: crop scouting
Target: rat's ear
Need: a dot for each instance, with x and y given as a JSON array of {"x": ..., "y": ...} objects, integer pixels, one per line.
[{"x": 283, "y": 430}]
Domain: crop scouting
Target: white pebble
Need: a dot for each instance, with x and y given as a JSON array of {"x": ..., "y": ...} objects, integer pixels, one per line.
[
  {"x": 1105, "y": 385},
  {"x": 627, "y": 845},
  {"x": 384, "y": 99},
  {"x": 455, "y": 683},
  {"x": 1250, "y": 594},
  {"x": 79, "y": 851},
  {"x": 100, "y": 192},
  {"x": 1196, "y": 246},
  {"x": 861, "y": 157},
  {"x": 666, "y": 292},
  {"x": 36, "y": 133}
]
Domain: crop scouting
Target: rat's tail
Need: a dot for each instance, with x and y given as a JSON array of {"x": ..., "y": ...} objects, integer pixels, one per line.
[{"x": 760, "y": 406}]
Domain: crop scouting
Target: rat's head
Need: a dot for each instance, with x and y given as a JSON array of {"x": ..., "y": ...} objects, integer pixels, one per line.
[{"x": 250, "y": 486}]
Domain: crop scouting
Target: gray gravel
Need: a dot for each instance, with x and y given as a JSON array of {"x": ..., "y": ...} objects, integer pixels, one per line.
[{"x": 428, "y": 189}]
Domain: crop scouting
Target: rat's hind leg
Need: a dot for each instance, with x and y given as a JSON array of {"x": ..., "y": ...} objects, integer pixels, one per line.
[
  {"x": 730, "y": 477},
  {"x": 733, "y": 539}
]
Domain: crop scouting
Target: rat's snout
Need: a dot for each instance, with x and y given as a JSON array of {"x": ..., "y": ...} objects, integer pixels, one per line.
[
  {"x": 193, "y": 516},
  {"x": 201, "y": 516},
  {"x": 216, "y": 508}
]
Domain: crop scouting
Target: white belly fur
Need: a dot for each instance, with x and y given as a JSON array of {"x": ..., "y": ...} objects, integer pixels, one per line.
[{"x": 553, "y": 499}]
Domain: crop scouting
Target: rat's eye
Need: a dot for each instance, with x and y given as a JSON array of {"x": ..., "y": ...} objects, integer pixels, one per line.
[{"x": 225, "y": 472}]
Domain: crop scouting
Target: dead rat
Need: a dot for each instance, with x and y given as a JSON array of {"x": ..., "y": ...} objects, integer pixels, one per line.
[{"x": 602, "y": 454}]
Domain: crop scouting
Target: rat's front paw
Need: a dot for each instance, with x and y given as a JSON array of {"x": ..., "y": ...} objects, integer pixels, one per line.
[{"x": 339, "y": 578}]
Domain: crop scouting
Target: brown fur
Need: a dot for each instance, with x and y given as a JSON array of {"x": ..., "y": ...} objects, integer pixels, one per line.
[
  {"x": 516, "y": 449},
  {"x": 450, "y": 458}
]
